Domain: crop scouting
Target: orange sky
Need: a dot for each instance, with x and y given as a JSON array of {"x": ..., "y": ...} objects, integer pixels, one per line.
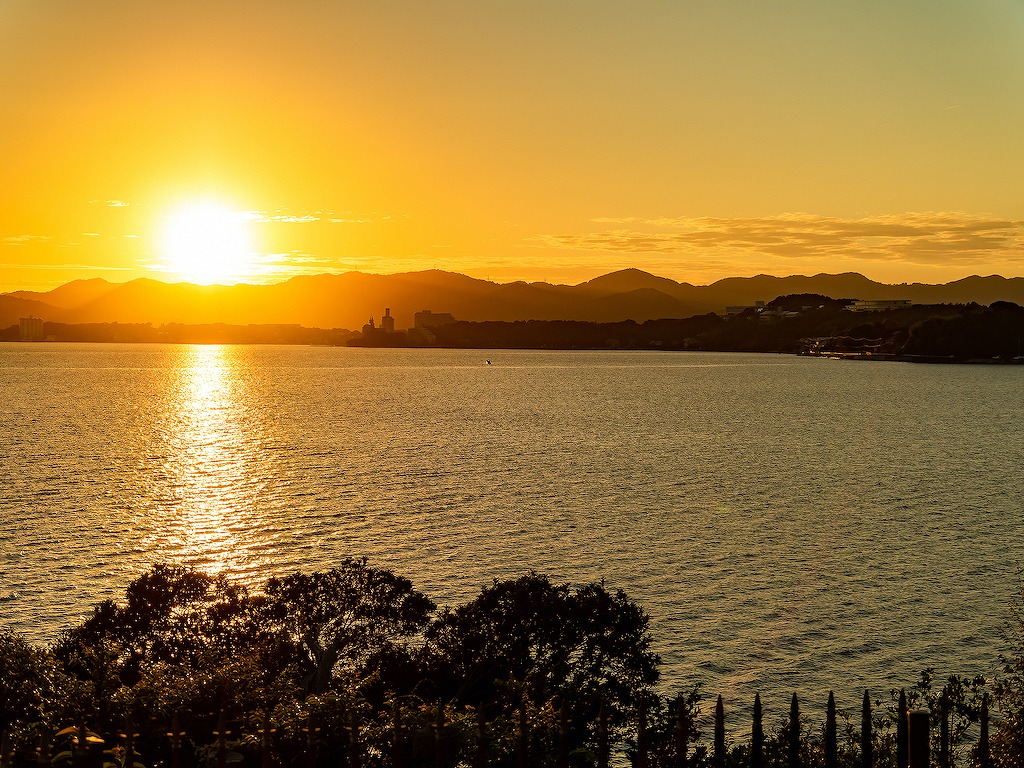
[{"x": 528, "y": 140}]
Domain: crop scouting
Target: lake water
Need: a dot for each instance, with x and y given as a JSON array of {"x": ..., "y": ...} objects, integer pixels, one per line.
[{"x": 791, "y": 524}]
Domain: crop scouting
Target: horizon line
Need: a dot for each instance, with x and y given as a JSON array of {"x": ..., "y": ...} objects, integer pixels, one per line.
[{"x": 499, "y": 283}]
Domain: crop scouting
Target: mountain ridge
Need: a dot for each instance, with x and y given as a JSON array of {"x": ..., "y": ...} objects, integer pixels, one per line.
[{"x": 349, "y": 299}]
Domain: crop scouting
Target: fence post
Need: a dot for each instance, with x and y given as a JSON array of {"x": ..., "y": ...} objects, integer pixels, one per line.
[
  {"x": 918, "y": 738},
  {"x": 439, "y": 735},
  {"x": 865, "y": 732},
  {"x": 641, "y": 736},
  {"x": 265, "y": 732},
  {"x": 682, "y": 731},
  {"x": 602, "y": 735},
  {"x": 311, "y": 742},
  {"x": 562, "y": 761},
  {"x": 901, "y": 731},
  {"x": 129, "y": 744},
  {"x": 757, "y": 735},
  {"x": 984, "y": 756},
  {"x": 719, "y": 760},
  {"x": 522, "y": 737},
  {"x": 80, "y": 752},
  {"x": 354, "y": 755},
  {"x": 396, "y": 734},
  {"x": 222, "y": 741},
  {"x": 831, "y": 733},
  {"x": 794, "y": 733},
  {"x": 481, "y": 737},
  {"x": 175, "y": 736},
  {"x": 43, "y": 750},
  {"x": 944, "y": 729}
]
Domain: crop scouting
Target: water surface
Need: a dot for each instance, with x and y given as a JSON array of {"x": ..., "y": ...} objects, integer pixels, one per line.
[{"x": 789, "y": 523}]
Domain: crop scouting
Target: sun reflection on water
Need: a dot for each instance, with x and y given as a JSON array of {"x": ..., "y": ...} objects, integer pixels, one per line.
[{"x": 207, "y": 479}]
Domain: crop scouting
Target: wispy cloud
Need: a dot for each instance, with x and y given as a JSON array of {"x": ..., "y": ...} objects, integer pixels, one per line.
[
  {"x": 353, "y": 218},
  {"x": 281, "y": 218},
  {"x": 929, "y": 239},
  {"x": 290, "y": 217},
  {"x": 68, "y": 267},
  {"x": 25, "y": 239}
]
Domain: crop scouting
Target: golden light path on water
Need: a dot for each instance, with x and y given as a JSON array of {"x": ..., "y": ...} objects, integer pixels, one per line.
[{"x": 206, "y": 487}]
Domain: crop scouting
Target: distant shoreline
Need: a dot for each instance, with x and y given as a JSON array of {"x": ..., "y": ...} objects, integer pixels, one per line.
[{"x": 800, "y": 324}]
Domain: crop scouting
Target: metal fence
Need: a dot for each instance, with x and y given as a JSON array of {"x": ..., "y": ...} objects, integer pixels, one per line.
[{"x": 918, "y": 740}]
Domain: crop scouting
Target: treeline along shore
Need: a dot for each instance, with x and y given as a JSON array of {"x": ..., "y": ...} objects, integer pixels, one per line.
[
  {"x": 354, "y": 667},
  {"x": 795, "y": 324}
]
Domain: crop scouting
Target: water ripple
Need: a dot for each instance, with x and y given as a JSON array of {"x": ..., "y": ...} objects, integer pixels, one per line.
[{"x": 789, "y": 524}]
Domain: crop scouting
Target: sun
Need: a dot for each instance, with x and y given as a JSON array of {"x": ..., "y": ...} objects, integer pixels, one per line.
[{"x": 206, "y": 242}]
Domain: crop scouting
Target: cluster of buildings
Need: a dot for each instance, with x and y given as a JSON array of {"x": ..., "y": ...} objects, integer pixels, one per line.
[
  {"x": 860, "y": 305},
  {"x": 425, "y": 322},
  {"x": 878, "y": 305}
]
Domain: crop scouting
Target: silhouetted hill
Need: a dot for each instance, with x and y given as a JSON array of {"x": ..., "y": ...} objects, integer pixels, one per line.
[
  {"x": 347, "y": 300},
  {"x": 628, "y": 280},
  {"x": 14, "y": 307},
  {"x": 71, "y": 295}
]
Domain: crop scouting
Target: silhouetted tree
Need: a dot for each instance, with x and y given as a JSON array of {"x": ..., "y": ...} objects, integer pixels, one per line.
[
  {"x": 344, "y": 616},
  {"x": 528, "y": 640}
]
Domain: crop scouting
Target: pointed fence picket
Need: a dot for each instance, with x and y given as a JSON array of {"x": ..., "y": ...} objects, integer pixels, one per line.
[{"x": 913, "y": 739}]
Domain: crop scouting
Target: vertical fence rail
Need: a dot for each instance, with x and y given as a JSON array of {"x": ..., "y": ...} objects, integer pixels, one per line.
[
  {"x": 720, "y": 733},
  {"x": 312, "y": 744},
  {"x": 944, "y": 753},
  {"x": 901, "y": 731},
  {"x": 641, "y": 737},
  {"x": 919, "y": 738},
  {"x": 439, "y": 736},
  {"x": 831, "y": 733},
  {"x": 794, "y": 733},
  {"x": 43, "y": 750},
  {"x": 914, "y": 747},
  {"x": 757, "y": 735},
  {"x": 522, "y": 735},
  {"x": 866, "y": 760},
  {"x": 397, "y": 745},
  {"x": 984, "y": 756},
  {"x": 481, "y": 738},
  {"x": 682, "y": 734},
  {"x": 562, "y": 760}
]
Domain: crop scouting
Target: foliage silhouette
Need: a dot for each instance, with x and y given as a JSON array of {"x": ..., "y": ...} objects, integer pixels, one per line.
[{"x": 347, "y": 666}]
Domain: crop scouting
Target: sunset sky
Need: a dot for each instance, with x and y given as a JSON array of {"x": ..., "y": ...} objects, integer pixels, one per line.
[{"x": 252, "y": 141}]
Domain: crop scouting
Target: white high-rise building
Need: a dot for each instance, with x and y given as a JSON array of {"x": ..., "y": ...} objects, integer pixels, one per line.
[{"x": 31, "y": 329}]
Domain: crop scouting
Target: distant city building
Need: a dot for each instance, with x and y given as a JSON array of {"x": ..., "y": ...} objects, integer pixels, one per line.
[
  {"x": 31, "y": 329},
  {"x": 878, "y": 305},
  {"x": 387, "y": 325},
  {"x": 736, "y": 309},
  {"x": 426, "y": 320}
]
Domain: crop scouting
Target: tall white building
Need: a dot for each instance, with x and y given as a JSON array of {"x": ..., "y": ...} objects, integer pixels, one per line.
[{"x": 31, "y": 328}]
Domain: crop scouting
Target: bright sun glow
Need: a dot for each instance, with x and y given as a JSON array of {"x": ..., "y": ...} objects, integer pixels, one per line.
[{"x": 206, "y": 242}]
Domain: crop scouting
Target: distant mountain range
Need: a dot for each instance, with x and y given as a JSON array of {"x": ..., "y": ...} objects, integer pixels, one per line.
[{"x": 348, "y": 300}]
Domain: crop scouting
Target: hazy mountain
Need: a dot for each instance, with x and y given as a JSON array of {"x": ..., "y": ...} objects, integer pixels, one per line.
[
  {"x": 14, "y": 307},
  {"x": 348, "y": 300},
  {"x": 626, "y": 280},
  {"x": 70, "y": 295}
]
